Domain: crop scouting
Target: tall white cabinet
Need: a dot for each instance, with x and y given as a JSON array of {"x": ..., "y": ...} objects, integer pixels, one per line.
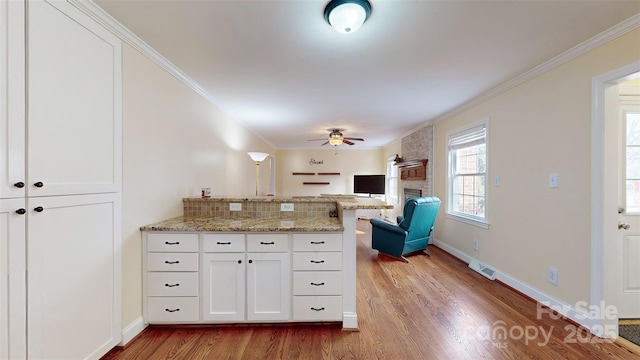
[{"x": 60, "y": 185}]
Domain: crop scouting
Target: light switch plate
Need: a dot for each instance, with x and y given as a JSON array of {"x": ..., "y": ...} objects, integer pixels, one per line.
[
  {"x": 553, "y": 180},
  {"x": 496, "y": 180}
]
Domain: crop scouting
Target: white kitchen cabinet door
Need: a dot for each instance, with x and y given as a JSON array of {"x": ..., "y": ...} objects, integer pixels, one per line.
[
  {"x": 12, "y": 280},
  {"x": 74, "y": 122},
  {"x": 74, "y": 261},
  {"x": 223, "y": 279},
  {"x": 12, "y": 99},
  {"x": 268, "y": 286}
]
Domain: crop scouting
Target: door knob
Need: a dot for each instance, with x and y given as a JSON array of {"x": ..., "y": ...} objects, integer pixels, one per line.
[{"x": 622, "y": 225}]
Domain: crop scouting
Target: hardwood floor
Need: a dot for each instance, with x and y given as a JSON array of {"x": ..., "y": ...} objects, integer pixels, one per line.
[{"x": 431, "y": 308}]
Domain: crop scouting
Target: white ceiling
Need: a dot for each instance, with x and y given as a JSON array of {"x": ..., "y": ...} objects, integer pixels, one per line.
[{"x": 279, "y": 68}]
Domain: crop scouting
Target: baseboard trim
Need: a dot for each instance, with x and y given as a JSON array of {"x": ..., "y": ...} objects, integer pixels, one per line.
[
  {"x": 134, "y": 329},
  {"x": 569, "y": 311}
]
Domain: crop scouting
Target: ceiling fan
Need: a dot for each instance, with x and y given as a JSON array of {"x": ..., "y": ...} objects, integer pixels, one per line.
[{"x": 336, "y": 138}]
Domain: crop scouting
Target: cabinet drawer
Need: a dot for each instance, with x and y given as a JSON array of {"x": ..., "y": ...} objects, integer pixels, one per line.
[
  {"x": 317, "y": 308},
  {"x": 172, "y": 284},
  {"x": 172, "y": 242},
  {"x": 317, "y": 242},
  {"x": 317, "y": 283},
  {"x": 317, "y": 260},
  {"x": 172, "y": 309},
  {"x": 172, "y": 261},
  {"x": 267, "y": 242},
  {"x": 223, "y": 243}
]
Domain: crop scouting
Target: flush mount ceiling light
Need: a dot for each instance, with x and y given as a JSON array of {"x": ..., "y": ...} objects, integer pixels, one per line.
[{"x": 346, "y": 16}]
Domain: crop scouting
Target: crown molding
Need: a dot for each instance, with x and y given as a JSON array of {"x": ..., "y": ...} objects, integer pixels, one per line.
[{"x": 612, "y": 33}]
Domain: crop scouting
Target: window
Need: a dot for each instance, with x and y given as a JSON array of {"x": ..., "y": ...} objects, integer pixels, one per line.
[
  {"x": 467, "y": 174},
  {"x": 392, "y": 180}
]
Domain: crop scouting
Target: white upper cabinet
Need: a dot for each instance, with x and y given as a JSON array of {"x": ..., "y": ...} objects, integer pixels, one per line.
[
  {"x": 74, "y": 106},
  {"x": 12, "y": 99}
]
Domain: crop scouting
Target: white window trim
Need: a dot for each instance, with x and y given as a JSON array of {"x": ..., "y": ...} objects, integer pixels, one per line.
[
  {"x": 390, "y": 199},
  {"x": 471, "y": 220}
]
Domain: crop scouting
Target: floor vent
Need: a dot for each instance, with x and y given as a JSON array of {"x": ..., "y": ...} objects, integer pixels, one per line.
[{"x": 482, "y": 269}]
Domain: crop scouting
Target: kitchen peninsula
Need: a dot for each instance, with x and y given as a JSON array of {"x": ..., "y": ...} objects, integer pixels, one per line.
[{"x": 254, "y": 260}]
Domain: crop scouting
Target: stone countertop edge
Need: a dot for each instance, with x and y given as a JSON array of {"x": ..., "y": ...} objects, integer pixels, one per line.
[{"x": 246, "y": 225}]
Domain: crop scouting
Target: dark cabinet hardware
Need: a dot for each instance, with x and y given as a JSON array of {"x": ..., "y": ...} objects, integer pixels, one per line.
[
  {"x": 239, "y": 261},
  {"x": 267, "y": 243},
  {"x": 172, "y": 243},
  {"x": 317, "y": 262},
  {"x": 174, "y": 310},
  {"x": 317, "y": 242},
  {"x": 317, "y": 284},
  {"x": 38, "y": 209},
  {"x": 171, "y": 262},
  {"x": 39, "y": 184},
  {"x": 317, "y": 309},
  {"x": 250, "y": 261},
  {"x": 223, "y": 243},
  {"x": 21, "y": 211},
  {"x": 169, "y": 285},
  {"x": 19, "y": 184}
]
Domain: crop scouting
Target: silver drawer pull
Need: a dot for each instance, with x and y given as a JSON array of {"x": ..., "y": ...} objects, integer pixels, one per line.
[
  {"x": 317, "y": 262},
  {"x": 317, "y": 284},
  {"x": 171, "y": 262},
  {"x": 223, "y": 243},
  {"x": 317, "y": 309},
  {"x": 172, "y": 243},
  {"x": 317, "y": 242},
  {"x": 169, "y": 285},
  {"x": 174, "y": 310},
  {"x": 267, "y": 243}
]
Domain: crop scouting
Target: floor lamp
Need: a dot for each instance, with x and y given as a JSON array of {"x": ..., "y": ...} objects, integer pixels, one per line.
[{"x": 257, "y": 157}]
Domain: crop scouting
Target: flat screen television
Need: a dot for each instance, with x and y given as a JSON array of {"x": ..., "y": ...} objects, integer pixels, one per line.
[{"x": 368, "y": 184}]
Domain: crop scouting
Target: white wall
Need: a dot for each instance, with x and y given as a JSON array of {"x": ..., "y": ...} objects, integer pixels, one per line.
[
  {"x": 174, "y": 143},
  {"x": 347, "y": 162},
  {"x": 542, "y": 126}
]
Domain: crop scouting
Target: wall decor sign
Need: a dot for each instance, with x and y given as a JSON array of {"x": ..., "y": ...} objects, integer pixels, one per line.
[{"x": 313, "y": 161}]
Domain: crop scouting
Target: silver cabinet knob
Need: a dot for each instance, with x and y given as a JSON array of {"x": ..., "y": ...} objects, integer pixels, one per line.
[{"x": 622, "y": 225}]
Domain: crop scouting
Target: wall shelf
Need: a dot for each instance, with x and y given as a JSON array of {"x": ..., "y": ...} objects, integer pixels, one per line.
[
  {"x": 315, "y": 183},
  {"x": 303, "y": 173},
  {"x": 413, "y": 169},
  {"x": 328, "y": 173}
]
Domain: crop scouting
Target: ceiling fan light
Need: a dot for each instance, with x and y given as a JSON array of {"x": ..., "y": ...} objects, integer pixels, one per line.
[
  {"x": 347, "y": 16},
  {"x": 335, "y": 141}
]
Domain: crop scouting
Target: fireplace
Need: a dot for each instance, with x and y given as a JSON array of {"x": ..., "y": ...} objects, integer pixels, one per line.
[{"x": 412, "y": 193}]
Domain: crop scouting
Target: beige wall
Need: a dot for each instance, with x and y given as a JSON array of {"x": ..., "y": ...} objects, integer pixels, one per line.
[
  {"x": 347, "y": 162},
  {"x": 540, "y": 127},
  {"x": 174, "y": 143}
]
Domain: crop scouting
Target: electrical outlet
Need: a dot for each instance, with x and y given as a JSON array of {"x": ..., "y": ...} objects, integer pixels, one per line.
[
  {"x": 475, "y": 244},
  {"x": 552, "y": 276},
  {"x": 286, "y": 207},
  {"x": 235, "y": 206}
]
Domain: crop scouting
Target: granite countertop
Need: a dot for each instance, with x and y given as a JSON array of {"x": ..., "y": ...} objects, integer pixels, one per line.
[
  {"x": 359, "y": 203},
  {"x": 247, "y": 225}
]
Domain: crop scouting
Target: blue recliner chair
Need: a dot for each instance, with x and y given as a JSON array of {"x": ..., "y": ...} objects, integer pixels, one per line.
[{"x": 412, "y": 232}]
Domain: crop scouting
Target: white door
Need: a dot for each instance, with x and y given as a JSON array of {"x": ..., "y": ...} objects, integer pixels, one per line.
[
  {"x": 73, "y": 248},
  {"x": 628, "y": 242},
  {"x": 268, "y": 286},
  {"x": 12, "y": 99},
  {"x": 223, "y": 286},
  {"x": 74, "y": 103},
  {"x": 12, "y": 279}
]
